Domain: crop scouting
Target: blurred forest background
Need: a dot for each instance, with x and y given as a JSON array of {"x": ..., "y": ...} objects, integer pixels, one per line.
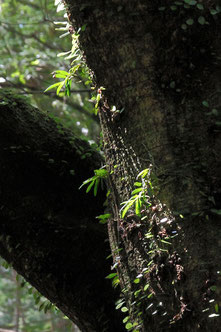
[
  {"x": 35, "y": 41},
  {"x": 22, "y": 308}
]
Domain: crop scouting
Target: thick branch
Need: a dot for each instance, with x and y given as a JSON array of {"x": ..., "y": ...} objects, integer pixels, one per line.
[{"x": 48, "y": 229}]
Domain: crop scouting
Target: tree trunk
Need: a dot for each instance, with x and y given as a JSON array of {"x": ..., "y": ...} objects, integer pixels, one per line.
[
  {"x": 48, "y": 230},
  {"x": 160, "y": 66}
]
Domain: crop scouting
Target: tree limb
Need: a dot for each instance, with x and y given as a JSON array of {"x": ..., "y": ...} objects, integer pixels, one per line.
[{"x": 48, "y": 230}]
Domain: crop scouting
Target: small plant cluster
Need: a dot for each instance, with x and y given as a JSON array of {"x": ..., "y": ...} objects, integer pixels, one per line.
[
  {"x": 188, "y": 4},
  {"x": 142, "y": 290},
  {"x": 140, "y": 197},
  {"x": 139, "y": 201},
  {"x": 99, "y": 176},
  {"x": 142, "y": 203},
  {"x": 96, "y": 98},
  {"x": 78, "y": 65}
]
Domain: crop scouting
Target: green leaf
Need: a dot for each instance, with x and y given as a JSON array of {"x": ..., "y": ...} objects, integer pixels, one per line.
[
  {"x": 213, "y": 12},
  {"x": 60, "y": 76},
  {"x": 137, "y": 281},
  {"x": 37, "y": 300},
  {"x": 190, "y": 2},
  {"x": 90, "y": 186},
  {"x": 35, "y": 62},
  {"x": 205, "y": 103},
  {"x": 102, "y": 173},
  {"x": 68, "y": 87},
  {"x": 41, "y": 306},
  {"x": 62, "y": 73},
  {"x": 146, "y": 287},
  {"x": 143, "y": 173},
  {"x": 60, "y": 86},
  {"x": 103, "y": 221},
  {"x": 135, "y": 191},
  {"x": 30, "y": 290},
  {"x": 137, "y": 207},
  {"x": 86, "y": 182},
  {"x": 96, "y": 186},
  {"x": 137, "y": 184},
  {"x": 52, "y": 86},
  {"x": 126, "y": 208},
  {"x": 75, "y": 68},
  {"x": 136, "y": 294},
  {"x": 201, "y": 20},
  {"x": 128, "y": 326},
  {"x": 115, "y": 282},
  {"x": 200, "y": 6},
  {"x": 83, "y": 27},
  {"x": 166, "y": 242},
  {"x": 126, "y": 319},
  {"x": 190, "y": 21},
  {"x": 124, "y": 309},
  {"x": 98, "y": 98},
  {"x": 111, "y": 276},
  {"x": 104, "y": 216},
  {"x": 48, "y": 306},
  {"x": 148, "y": 235},
  {"x": 96, "y": 109},
  {"x": 216, "y": 211},
  {"x": 119, "y": 305}
]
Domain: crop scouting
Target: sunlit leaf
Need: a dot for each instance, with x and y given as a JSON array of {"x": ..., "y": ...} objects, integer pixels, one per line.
[
  {"x": 129, "y": 326},
  {"x": 135, "y": 191},
  {"x": 60, "y": 86},
  {"x": 90, "y": 186},
  {"x": 96, "y": 186},
  {"x": 126, "y": 208},
  {"x": 111, "y": 275}
]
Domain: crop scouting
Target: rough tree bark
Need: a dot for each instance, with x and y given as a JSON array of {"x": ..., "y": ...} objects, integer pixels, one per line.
[
  {"x": 161, "y": 68},
  {"x": 48, "y": 230}
]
